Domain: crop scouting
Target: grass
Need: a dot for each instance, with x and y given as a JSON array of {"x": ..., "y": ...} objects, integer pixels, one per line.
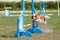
[
  {"x": 8, "y": 24},
  {"x": 54, "y": 21}
]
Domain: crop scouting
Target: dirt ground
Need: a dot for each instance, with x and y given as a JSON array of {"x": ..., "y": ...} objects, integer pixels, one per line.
[
  {"x": 45, "y": 36},
  {"x": 56, "y": 35}
]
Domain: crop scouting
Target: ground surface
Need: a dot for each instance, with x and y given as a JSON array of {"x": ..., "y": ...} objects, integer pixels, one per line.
[
  {"x": 8, "y": 29},
  {"x": 46, "y": 36}
]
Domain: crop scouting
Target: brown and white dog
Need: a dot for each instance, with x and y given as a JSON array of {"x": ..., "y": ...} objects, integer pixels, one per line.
[{"x": 39, "y": 18}]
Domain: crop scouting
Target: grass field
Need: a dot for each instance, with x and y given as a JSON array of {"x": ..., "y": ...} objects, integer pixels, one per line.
[{"x": 8, "y": 28}]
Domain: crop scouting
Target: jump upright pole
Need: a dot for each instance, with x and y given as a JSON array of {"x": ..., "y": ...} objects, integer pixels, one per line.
[
  {"x": 20, "y": 24},
  {"x": 35, "y": 27},
  {"x": 42, "y": 10},
  {"x": 6, "y": 12}
]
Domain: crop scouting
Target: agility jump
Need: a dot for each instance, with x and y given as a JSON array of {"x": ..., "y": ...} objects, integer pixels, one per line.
[
  {"x": 35, "y": 19},
  {"x": 20, "y": 24}
]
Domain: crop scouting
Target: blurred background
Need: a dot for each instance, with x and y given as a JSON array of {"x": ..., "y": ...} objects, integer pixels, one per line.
[{"x": 8, "y": 25}]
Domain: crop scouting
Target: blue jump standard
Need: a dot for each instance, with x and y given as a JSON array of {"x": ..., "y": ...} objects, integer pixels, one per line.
[
  {"x": 20, "y": 24},
  {"x": 6, "y": 12},
  {"x": 35, "y": 28},
  {"x": 20, "y": 30},
  {"x": 19, "y": 34}
]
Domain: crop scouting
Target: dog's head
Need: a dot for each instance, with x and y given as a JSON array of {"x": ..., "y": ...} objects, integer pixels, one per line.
[{"x": 38, "y": 18}]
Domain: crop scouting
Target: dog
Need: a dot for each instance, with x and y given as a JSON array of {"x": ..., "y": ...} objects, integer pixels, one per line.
[{"x": 39, "y": 18}]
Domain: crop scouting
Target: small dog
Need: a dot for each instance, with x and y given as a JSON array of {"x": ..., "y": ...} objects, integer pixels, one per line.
[{"x": 39, "y": 18}]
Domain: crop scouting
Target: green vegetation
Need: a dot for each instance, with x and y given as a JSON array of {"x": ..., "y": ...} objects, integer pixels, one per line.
[{"x": 17, "y": 5}]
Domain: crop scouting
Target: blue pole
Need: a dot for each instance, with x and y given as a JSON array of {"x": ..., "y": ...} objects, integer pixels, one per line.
[
  {"x": 41, "y": 7},
  {"x": 33, "y": 12},
  {"x": 4, "y": 6},
  {"x": 23, "y": 5},
  {"x": 6, "y": 12},
  {"x": 35, "y": 27},
  {"x": 22, "y": 13},
  {"x": 44, "y": 9},
  {"x": 20, "y": 24},
  {"x": 33, "y": 9}
]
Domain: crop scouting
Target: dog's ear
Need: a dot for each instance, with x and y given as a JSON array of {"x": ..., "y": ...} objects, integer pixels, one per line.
[{"x": 31, "y": 17}]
